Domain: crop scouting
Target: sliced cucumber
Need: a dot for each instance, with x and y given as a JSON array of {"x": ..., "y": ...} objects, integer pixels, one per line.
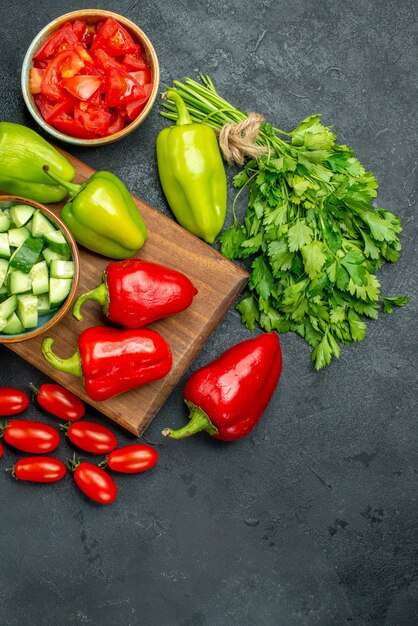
[
  {"x": 44, "y": 306},
  {"x": 4, "y": 245},
  {"x": 3, "y": 323},
  {"x": 17, "y": 236},
  {"x": 19, "y": 282},
  {"x": 21, "y": 213},
  {"x": 49, "y": 255},
  {"x": 59, "y": 288},
  {"x": 40, "y": 278},
  {"x": 3, "y": 271},
  {"x": 4, "y": 223},
  {"x": 8, "y": 307},
  {"x": 61, "y": 269},
  {"x": 4, "y": 293},
  {"x": 27, "y": 310},
  {"x": 41, "y": 225},
  {"x": 27, "y": 255},
  {"x": 57, "y": 242},
  {"x": 13, "y": 326}
]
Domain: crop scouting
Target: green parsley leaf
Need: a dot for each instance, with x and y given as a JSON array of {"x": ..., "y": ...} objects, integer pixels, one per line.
[
  {"x": 231, "y": 240},
  {"x": 299, "y": 235},
  {"x": 390, "y": 303},
  {"x": 261, "y": 278},
  {"x": 249, "y": 311},
  {"x": 313, "y": 258}
]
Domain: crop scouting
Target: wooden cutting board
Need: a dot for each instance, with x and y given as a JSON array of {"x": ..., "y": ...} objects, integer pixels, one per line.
[{"x": 218, "y": 280}]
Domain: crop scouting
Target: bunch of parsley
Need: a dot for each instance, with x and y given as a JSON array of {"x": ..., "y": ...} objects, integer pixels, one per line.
[{"x": 313, "y": 236}]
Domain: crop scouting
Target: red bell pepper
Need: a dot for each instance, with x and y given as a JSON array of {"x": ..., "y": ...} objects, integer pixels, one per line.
[
  {"x": 135, "y": 293},
  {"x": 113, "y": 361},
  {"x": 227, "y": 397}
]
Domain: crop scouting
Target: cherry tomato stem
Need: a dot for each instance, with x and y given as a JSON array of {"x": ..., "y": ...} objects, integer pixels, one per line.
[{"x": 12, "y": 401}]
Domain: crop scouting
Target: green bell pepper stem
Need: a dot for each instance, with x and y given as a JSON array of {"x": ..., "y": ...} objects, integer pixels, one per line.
[
  {"x": 99, "y": 294},
  {"x": 72, "y": 188},
  {"x": 183, "y": 116},
  {"x": 198, "y": 421},
  {"x": 70, "y": 366}
]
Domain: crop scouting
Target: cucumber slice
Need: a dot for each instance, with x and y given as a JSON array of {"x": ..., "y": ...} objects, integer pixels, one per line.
[
  {"x": 8, "y": 307},
  {"x": 4, "y": 245},
  {"x": 17, "y": 236},
  {"x": 4, "y": 293},
  {"x": 40, "y": 278},
  {"x": 27, "y": 310},
  {"x": 3, "y": 271},
  {"x": 19, "y": 282},
  {"x": 49, "y": 255},
  {"x": 61, "y": 269},
  {"x": 27, "y": 255},
  {"x": 3, "y": 323},
  {"x": 59, "y": 288},
  {"x": 13, "y": 326},
  {"x": 41, "y": 225},
  {"x": 57, "y": 242},
  {"x": 21, "y": 213},
  {"x": 44, "y": 306},
  {"x": 4, "y": 223}
]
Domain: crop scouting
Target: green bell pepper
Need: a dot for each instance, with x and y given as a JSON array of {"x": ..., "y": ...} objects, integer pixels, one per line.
[
  {"x": 102, "y": 215},
  {"x": 22, "y": 155},
  {"x": 192, "y": 173}
]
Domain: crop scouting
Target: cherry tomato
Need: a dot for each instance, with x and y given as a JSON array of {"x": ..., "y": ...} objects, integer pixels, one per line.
[
  {"x": 1, "y": 450},
  {"x": 113, "y": 39},
  {"x": 133, "y": 459},
  {"x": 12, "y": 401},
  {"x": 92, "y": 437},
  {"x": 95, "y": 483},
  {"x": 39, "y": 469},
  {"x": 59, "y": 401},
  {"x": 31, "y": 436}
]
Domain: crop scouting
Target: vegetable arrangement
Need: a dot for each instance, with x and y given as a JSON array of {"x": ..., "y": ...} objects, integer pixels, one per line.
[
  {"x": 36, "y": 270},
  {"x": 314, "y": 237},
  {"x": 40, "y": 439},
  {"x": 90, "y": 80}
]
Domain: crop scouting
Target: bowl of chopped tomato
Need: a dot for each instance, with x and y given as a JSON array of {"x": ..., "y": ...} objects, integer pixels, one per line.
[{"x": 90, "y": 77}]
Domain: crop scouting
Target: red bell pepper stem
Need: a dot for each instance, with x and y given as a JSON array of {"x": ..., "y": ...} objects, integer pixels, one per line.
[
  {"x": 71, "y": 365},
  {"x": 198, "y": 421},
  {"x": 99, "y": 294}
]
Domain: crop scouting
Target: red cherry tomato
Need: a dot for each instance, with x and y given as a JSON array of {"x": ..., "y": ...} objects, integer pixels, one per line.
[
  {"x": 95, "y": 483},
  {"x": 133, "y": 459},
  {"x": 92, "y": 437},
  {"x": 39, "y": 469},
  {"x": 59, "y": 401},
  {"x": 1, "y": 450},
  {"x": 12, "y": 401},
  {"x": 31, "y": 436}
]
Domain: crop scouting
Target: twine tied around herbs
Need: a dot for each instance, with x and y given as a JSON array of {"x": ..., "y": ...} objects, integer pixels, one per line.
[{"x": 238, "y": 141}]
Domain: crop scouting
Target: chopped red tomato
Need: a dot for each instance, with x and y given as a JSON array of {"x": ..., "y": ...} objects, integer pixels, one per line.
[
  {"x": 114, "y": 39},
  {"x": 90, "y": 80},
  {"x": 142, "y": 77},
  {"x": 35, "y": 77},
  {"x": 65, "y": 36},
  {"x": 81, "y": 86}
]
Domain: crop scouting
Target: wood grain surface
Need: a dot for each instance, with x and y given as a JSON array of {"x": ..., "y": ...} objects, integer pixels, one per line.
[{"x": 218, "y": 280}]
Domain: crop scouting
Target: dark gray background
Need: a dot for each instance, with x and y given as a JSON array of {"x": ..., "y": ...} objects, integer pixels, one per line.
[{"x": 313, "y": 518}]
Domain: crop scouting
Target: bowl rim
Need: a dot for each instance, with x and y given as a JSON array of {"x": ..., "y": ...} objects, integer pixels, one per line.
[
  {"x": 4, "y": 339},
  {"x": 52, "y": 27}
]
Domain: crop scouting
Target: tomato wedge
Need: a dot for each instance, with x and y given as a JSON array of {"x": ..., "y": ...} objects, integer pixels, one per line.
[
  {"x": 94, "y": 119},
  {"x": 121, "y": 88},
  {"x": 64, "y": 65},
  {"x": 114, "y": 39},
  {"x": 82, "y": 86},
  {"x": 51, "y": 109},
  {"x": 142, "y": 77},
  {"x": 69, "y": 126},
  {"x": 134, "y": 61},
  {"x": 65, "y": 36}
]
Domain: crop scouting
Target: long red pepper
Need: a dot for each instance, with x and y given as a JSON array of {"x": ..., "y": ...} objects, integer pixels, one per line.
[
  {"x": 113, "y": 360},
  {"x": 134, "y": 293},
  {"x": 227, "y": 397}
]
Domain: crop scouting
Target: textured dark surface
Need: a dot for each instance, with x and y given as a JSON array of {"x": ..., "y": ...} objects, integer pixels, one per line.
[{"x": 313, "y": 518}]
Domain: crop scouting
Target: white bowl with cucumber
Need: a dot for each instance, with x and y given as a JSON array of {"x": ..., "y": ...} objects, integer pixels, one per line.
[{"x": 39, "y": 269}]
